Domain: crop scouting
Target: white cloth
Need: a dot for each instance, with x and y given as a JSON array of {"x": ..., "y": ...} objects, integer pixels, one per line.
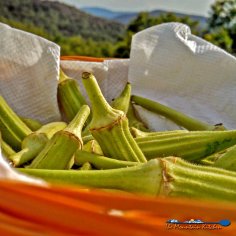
[
  {"x": 112, "y": 75},
  {"x": 29, "y": 68},
  {"x": 170, "y": 65}
]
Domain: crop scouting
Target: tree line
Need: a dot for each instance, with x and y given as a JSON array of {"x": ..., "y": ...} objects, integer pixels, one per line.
[{"x": 220, "y": 30}]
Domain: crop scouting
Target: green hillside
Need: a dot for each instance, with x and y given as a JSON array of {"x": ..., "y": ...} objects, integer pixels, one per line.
[
  {"x": 58, "y": 19},
  {"x": 79, "y": 33}
]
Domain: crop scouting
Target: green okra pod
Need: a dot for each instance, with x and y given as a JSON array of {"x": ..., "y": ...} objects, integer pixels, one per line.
[
  {"x": 109, "y": 126},
  {"x": 59, "y": 150},
  {"x": 7, "y": 151},
  {"x": 226, "y": 159},
  {"x": 139, "y": 133},
  {"x": 92, "y": 146},
  {"x": 86, "y": 166},
  {"x": 101, "y": 162},
  {"x": 192, "y": 146},
  {"x": 123, "y": 100},
  {"x": 178, "y": 117},
  {"x": 70, "y": 98},
  {"x": 33, "y": 144},
  {"x": 170, "y": 176},
  {"x": 31, "y": 123},
  {"x": 13, "y": 129}
]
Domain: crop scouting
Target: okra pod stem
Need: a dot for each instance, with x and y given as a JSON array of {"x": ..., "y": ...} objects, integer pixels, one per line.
[
  {"x": 123, "y": 100},
  {"x": 170, "y": 176},
  {"x": 33, "y": 144},
  {"x": 139, "y": 133},
  {"x": 101, "y": 162},
  {"x": 178, "y": 117},
  {"x": 144, "y": 179}
]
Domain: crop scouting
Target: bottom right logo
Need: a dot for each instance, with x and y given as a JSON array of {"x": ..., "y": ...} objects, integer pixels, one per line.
[{"x": 195, "y": 224}]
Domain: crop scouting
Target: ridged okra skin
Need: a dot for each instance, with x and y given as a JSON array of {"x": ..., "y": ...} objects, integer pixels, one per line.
[
  {"x": 169, "y": 177},
  {"x": 117, "y": 142},
  {"x": 182, "y": 179},
  {"x": 69, "y": 96},
  {"x": 35, "y": 142},
  {"x": 59, "y": 150},
  {"x": 12, "y": 128},
  {"x": 191, "y": 146},
  {"x": 109, "y": 126}
]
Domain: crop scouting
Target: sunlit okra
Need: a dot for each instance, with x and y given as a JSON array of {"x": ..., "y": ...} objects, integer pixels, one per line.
[
  {"x": 12, "y": 128},
  {"x": 178, "y": 117},
  {"x": 226, "y": 159},
  {"x": 59, "y": 150},
  {"x": 139, "y": 133},
  {"x": 192, "y": 146},
  {"x": 100, "y": 162},
  {"x": 123, "y": 100},
  {"x": 168, "y": 176},
  {"x": 70, "y": 98},
  {"x": 109, "y": 126},
  {"x": 35, "y": 142}
]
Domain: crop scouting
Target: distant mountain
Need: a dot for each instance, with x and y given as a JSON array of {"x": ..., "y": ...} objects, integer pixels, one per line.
[
  {"x": 201, "y": 19},
  {"x": 101, "y": 12},
  {"x": 59, "y": 19},
  {"x": 126, "y": 17},
  {"x": 109, "y": 14}
]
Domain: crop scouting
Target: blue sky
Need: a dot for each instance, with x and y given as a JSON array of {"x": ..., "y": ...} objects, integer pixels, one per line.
[{"x": 199, "y": 7}]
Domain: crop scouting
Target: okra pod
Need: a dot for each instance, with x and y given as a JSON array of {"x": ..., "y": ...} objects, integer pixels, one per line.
[
  {"x": 101, "y": 162},
  {"x": 123, "y": 100},
  {"x": 13, "y": 129},
  {"x": 178, "y": 117},
  {"x": 109, "y": 126},
  {"x": 192, "y": 146},
  {"x": 59, "y": 150},
  {"x": 170, "y": 176}
]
